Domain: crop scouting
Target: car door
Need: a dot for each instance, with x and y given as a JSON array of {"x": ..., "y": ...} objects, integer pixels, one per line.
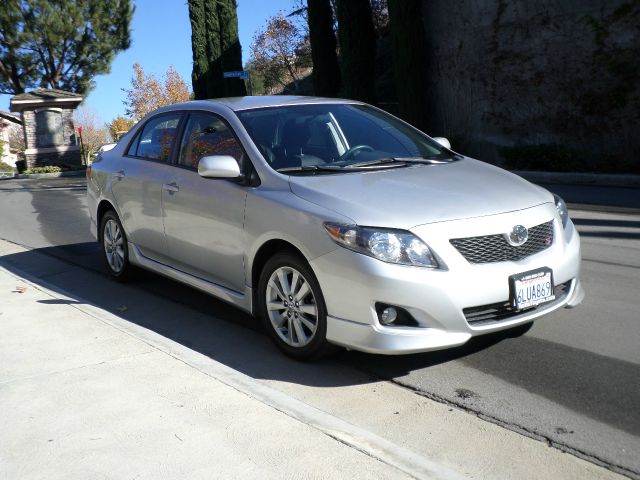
[
  {"x": 138, "y": 181},
  {"x": 203, "y": 217}
]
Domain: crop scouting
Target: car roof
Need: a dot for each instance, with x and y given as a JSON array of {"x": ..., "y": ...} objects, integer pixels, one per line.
[{"x": 249, "y": 102}]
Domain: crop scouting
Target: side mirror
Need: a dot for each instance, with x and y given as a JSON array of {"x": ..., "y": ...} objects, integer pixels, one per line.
[
  {"x": 218, "y": 166},
  {"x": 443, "y": 141}
]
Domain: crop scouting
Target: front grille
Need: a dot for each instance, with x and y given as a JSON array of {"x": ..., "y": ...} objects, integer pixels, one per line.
[
  {"x": 497, "y": 312},
  {"x": 495, "y": 248}
]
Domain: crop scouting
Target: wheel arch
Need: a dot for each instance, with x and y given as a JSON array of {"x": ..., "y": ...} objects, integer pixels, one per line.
[
  {"x": 103, "y": 207},
  {"x": 268, "y": 250}
]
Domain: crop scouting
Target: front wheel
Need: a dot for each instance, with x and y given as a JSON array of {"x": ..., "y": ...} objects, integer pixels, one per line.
[
  {"x": 292, "y": 308},
  {"x": 113, "y": 242}
]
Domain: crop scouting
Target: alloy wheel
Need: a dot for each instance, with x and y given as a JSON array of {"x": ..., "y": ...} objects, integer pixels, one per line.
[
  {"x": 113, "y": 242},
  {"x": 291, "y": 307}
]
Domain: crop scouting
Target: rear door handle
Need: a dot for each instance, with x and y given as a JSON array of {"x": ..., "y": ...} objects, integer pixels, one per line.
[
  {"x": 119, "y": 174},
  {"x": 171, "y": 187}
]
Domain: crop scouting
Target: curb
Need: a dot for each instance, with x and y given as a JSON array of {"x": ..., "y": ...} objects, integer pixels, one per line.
[
  {"x": 571, "y": 178},
  {"x": 73, "y": 173}
]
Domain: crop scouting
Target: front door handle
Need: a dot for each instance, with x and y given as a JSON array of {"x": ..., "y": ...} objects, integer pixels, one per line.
[
  {"x": 119, "y": 174},
  {"x": 171, "y": 187}
]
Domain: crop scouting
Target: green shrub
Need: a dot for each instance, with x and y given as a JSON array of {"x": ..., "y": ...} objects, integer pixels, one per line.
[
  {"x": 53, "y": 169},
  {"x": 47, "y": 169}
]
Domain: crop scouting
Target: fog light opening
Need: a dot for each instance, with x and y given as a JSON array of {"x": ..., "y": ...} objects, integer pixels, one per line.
[{"x": 394, "y": 316}]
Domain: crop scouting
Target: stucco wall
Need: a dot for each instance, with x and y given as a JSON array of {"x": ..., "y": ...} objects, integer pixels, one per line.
[{"x": 523, "y": 72}]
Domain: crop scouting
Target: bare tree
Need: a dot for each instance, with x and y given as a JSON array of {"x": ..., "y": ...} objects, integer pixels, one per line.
[
  {"x": 94, "y": 132},
  {"x": 277, "y": 52},
  {"x": 16, "y": 139}
]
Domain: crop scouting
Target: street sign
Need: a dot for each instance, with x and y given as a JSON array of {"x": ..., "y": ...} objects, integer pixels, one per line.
[{"x": 243, "y": 74}]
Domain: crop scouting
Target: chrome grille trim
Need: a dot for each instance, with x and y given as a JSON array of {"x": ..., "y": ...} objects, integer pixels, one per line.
[{"x": 495, "y": 248}]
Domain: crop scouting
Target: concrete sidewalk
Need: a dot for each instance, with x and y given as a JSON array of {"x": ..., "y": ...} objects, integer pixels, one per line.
[
  {"x": 83, "y": 396},
  {"x": 85, "y": 393}
]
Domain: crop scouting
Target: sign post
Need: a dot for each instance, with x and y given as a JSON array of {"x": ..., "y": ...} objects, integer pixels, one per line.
[
  {"x": 241, "y": 74},
  {"x": 85, "y": 157}
]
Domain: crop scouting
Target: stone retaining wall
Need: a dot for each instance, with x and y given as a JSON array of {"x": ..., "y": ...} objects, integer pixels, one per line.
[{"x": 547, "y": 72}]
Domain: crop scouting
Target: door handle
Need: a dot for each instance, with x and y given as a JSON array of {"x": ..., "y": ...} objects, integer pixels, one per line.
[
  {"x": 119, "y": 174},
  {"x": 171, "y": 187}
]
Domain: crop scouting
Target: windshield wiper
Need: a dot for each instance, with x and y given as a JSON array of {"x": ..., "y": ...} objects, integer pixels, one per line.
[
  {"x": 374, "y": 164},
  {"x": 426, "y": 160},
  {"x": 368, "y": 163},
  {"x": 310, "y": 168},
  {"x": 389, "y": 162}
]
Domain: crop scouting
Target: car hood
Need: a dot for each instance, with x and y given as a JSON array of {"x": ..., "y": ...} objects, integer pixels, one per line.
[{"x": 409, "y": 196}]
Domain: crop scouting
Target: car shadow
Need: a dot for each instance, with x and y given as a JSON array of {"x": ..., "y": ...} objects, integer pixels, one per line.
[{"x": 205, "y": 324}]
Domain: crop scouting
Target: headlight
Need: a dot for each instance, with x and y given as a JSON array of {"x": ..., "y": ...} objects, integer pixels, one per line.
[
  {"x": 388, "y": 245},
  {"x": 562, "y": 210}
]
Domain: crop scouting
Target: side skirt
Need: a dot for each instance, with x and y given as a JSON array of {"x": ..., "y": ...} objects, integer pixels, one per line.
[{"x": 237, "y": 299}]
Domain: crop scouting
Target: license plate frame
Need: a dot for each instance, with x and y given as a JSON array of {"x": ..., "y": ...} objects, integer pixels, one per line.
[{"x": 519, "y": 282}]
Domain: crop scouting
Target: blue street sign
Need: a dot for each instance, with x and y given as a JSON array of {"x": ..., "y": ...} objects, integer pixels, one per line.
[{"x": 236, "y": 74}]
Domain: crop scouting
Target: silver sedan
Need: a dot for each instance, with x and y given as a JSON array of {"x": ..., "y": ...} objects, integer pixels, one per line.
[{"x": 334, "y": 223}]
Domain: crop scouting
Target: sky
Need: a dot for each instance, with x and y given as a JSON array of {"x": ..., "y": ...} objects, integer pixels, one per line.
[{"x": 160, "y": 37}]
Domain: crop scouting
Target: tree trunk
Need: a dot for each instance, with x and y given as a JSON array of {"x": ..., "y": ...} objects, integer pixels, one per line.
[
  {"x": 409, "y": 62},
  {"x": 231, "y": 51},
  {"x": 326, "y": 71},
  {"x": 357, "y": 49},
  {"x": 199, "y": 49}
]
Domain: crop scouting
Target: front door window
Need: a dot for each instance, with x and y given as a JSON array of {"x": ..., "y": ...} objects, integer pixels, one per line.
[{"x": 206, "y": 135}]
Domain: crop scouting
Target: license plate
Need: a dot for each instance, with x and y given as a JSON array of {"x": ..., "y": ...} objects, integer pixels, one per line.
[{"x": 532, "y": 288}]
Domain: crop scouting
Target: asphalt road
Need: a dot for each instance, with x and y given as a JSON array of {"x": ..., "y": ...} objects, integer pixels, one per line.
[{"x": 573, "y": 380}]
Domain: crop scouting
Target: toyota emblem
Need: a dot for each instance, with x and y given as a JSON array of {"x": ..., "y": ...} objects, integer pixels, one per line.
[{"x": 518, "y": 236}]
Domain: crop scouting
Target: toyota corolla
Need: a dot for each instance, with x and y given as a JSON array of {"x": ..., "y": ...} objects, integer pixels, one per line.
[{"x": 334, "y": 223}]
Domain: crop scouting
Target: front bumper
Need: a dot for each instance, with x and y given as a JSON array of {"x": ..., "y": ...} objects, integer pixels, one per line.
[{"x": 352, "y": 284}]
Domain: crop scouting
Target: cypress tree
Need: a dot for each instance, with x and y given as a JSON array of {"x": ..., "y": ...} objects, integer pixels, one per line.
[
  {"x": 231, "y": 51},
  {"x": 357, "y": 48},
  {"x": 409, "y": 61},
  {"x": 326, "y": 71},
  {"x": 215, "y": 84},
  {"x": 199, "y": 49},
  {"x": 216, "y": 48}
]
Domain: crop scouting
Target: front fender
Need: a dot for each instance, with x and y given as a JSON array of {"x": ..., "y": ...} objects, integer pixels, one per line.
[{"x": 280, "y": 215}]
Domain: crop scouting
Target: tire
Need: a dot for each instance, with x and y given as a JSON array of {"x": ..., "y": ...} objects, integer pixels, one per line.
[
  {"x": 113, "y": 244},
  {"x": 296, "y": 321}
]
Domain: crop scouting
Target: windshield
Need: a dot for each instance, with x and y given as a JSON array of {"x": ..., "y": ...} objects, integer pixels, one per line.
[{"x": 335, "y": 137}]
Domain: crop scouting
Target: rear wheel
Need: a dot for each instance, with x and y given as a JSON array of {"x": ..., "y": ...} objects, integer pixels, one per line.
[
  {"x": 292, "y": 308},
  {"x": 113, "y": 242}
]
